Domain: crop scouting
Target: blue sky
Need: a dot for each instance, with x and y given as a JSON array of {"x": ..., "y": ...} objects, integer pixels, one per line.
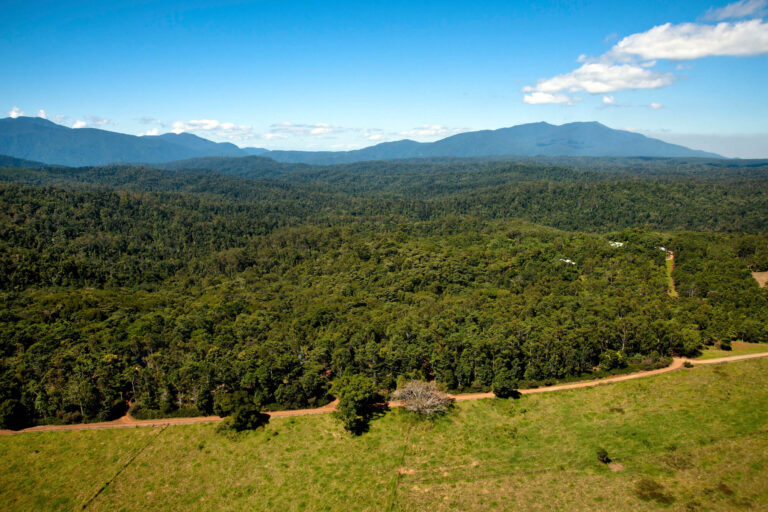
[{"x": 341, "y": 75}]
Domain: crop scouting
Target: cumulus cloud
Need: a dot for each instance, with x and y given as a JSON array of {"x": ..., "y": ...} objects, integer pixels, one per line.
[
  {"x": 736, "y": 10},
  {"x": 217, "y": 128},
  {"x": 609, "y": 100},
  {"x": 15, "y": 112},
  {"x": 543, "y": 98},
  {"x": 42, "y": 114},
  {"x": 597, "y": 78},
  {"x": 688, "y": 41},
  {"x": 631, "y": 63},
  {"x": 151, "y": 131},
  {"x": 79, "y": 124},
  {"x": 656, "y": 106}
]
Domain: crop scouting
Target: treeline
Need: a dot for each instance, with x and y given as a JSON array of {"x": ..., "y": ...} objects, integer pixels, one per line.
[
  {"x": 713, "y": 272},
  {"x": 172, "y": 289},
  {"x": 563, "y": 198}
]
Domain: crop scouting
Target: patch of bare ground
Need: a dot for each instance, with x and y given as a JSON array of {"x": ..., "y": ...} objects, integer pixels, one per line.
[
  {"x": 615, "y": 467},
  {"x": 761, "y": 278}
]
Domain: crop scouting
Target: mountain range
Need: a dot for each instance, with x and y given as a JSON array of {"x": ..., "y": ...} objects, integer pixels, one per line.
[{"x": 41, "y": 140}]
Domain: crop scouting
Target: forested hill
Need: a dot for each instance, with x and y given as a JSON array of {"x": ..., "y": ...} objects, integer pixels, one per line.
[
  {"x": 673, "y": 197},
  {"x": 173, "y": 288}
]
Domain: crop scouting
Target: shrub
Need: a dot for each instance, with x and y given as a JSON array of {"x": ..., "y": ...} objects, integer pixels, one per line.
[
  {"x": 225, "y": 402},
  {"x": 723, "y": 345},
  {"x": 602, "y": 456},
  {"x": 358, "y": 398},
  {"x": 505, "y": 384},
  {"x": 248, "y": 416},
  {"x": 243, "y": 413},
  {"x": 611, "y": 360},
  {"x": 423, "y": 398},
  {"x": 688, "y": 364}
]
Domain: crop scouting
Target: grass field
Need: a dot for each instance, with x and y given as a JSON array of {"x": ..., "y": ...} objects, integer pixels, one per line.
[
  {"x": 738, "y": 348},
  {"x": 689, "y": 440}
]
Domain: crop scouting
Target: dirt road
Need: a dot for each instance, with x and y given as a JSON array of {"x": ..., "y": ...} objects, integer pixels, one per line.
[
  {"x": 672, "y": 288},
  {"x": 129, "y": 422}
]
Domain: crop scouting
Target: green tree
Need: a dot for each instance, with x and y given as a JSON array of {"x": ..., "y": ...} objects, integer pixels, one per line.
[
  {"x": 358, "y": 399},
  {"x": 505, "y": 384}
]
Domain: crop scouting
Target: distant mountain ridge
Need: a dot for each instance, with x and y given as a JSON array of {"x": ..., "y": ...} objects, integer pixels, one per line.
[
  {"x": 33, "y": 138},
  {"x": 41, "y": 140},
  {"x": 533, "y": 139}
]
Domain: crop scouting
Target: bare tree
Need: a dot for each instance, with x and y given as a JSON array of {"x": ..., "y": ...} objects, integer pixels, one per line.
[{"x": 422, "y": 397}]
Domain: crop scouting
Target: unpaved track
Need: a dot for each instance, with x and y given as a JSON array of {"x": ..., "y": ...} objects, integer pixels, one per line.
[
  {"x": 129, "y": 422},
  {"x": 672, "y": 288}
]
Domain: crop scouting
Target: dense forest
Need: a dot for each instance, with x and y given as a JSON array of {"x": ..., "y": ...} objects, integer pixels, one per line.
[{"x": 169, "y": 287}]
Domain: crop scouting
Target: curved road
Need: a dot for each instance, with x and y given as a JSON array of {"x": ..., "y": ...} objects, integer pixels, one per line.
[{"x": 129, "y": 422}]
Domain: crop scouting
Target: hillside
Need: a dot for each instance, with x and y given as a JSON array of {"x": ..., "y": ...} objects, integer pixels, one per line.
[
  {"x": 41, "y": 140},
  {"x": 165, "y": 286},
  {"x": 688, "y": 440}
]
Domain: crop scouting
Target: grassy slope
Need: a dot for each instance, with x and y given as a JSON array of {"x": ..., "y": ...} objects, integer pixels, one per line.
[
  {"x": 739, "y": 348},
  {"x": 701, "y": 435}
]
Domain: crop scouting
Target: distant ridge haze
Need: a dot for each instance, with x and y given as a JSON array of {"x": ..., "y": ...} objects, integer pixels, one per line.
[{"x": 44, "y": 141}]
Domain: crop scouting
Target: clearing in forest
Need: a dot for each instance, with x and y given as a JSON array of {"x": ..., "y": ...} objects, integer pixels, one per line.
[{"x": 670, "y": 268}]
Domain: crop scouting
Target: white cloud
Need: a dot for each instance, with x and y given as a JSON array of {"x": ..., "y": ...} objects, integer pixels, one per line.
[
  {"x": 609, "y": 100},
  {"x": 151, "y": 131},
  {"x": 288, "y": 128},
  {"x": 740, "y": 9},
  {"x": 598, "y": 78},
  {"x": 630, "y": 63},
  {"x": 79, "y": 124},
  {"x": 543, "y": 98},
  {"x": 217, "y": 128},
  {"x": 431, "y": 130},
  {"x": 693, "y": 41},
  {"x": 42, "y": 114},
  {"x": 656, "y": 106},
  {"x": 15, "y": 112},
  {"x": 322, "y": 129}
]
